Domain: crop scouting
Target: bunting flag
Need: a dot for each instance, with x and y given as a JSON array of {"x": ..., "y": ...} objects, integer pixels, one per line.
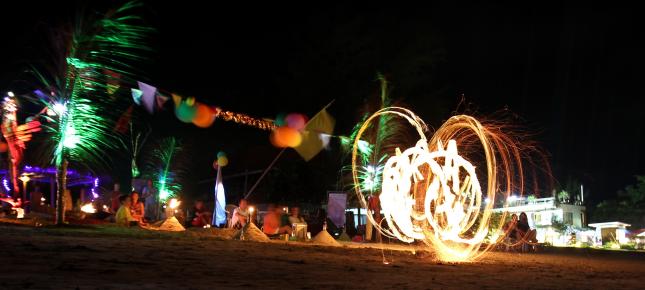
[
  {"x": 186, "y": 109},
  {"x": 136, "y": 96},
  {"x": 316, "y": 135},
  {"x": 176, "y": 99},
  {"x": 148, "y": 97},
  {"x": 122, "y": 124},
  {"x": 161, "y": 100}
]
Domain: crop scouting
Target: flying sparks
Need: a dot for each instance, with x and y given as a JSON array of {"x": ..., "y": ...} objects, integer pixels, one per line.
[{"x": 431, "y": 193}]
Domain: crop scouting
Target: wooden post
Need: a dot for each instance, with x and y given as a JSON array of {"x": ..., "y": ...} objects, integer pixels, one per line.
[
  {"x": 61, "y": 176},
  {"x": 52, "y": 192}
]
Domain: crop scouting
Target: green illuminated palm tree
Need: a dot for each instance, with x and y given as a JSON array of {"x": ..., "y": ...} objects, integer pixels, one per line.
[
  {"x": 377, "y": 142},
  {"x": 164, "y": 168},
  {"x": 80, "y": 101}
]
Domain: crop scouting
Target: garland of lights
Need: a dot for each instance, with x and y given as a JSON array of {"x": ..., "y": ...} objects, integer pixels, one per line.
[{"x": 246, "y": 120}]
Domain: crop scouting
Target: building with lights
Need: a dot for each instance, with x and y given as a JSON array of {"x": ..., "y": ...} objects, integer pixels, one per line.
[
  {"x": 611, "y": 232},
  {"x": 544, "y": 213},
  {"x": 33, "y": 179}
]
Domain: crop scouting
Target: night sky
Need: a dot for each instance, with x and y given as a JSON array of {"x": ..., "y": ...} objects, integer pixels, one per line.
[{"x": 571, "y": 73}]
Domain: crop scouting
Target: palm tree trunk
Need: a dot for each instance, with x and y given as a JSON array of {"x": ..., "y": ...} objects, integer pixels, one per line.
[{"x": 61, "y": 180}]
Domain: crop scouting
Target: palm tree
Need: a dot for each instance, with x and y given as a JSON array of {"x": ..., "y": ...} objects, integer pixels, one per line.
[
  {"x": 80, "y": 94},
  {"x": 377, "y": 143}
]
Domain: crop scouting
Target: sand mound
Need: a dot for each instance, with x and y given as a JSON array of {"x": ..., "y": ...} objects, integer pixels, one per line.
[
  {"x": 251, "y": 232},
  {"x": 217, "y": 233},
  {"x": 169, "y": 224},
  {"x": 324, "y": 238},
  {"x": 344, "y": 237}
]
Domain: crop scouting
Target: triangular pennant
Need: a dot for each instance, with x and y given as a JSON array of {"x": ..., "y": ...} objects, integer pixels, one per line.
[
  {"x": 316, "y": 135},
  {"x": 148, "y": 97},
  {"x": 176, "y": 99},
  {"x": 136, "y": 96},
  {"x": 161, "y": 100}
]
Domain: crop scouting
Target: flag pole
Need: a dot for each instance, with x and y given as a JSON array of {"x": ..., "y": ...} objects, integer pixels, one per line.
[{"x": 264, "y": 173}]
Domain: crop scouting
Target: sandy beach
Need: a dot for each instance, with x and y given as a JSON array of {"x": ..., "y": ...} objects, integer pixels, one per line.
[{"x": 111, "y": 258}]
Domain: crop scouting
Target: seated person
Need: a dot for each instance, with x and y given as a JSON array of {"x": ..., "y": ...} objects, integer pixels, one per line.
[
  {"x": 123, "y": 216},
  {"x": 524, "y": 231},
  {"x": 298, "y": 223},
  {"x": 295, "y": 218},
  {"x": 240, "y": 215},
  {"x": 284, "y": 216},
  {"x": 201, "y": 216},
  {"x": 137, "y": 209},
  {"x": 510, "y": 227},
  {"x": 272, "y": 224}
]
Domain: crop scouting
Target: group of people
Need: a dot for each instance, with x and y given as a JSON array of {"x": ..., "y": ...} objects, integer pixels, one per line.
[
  {"x": 130, "y": 211},
  {"x": 277, "y": 222},
  {"x": 519, "y": 231}
]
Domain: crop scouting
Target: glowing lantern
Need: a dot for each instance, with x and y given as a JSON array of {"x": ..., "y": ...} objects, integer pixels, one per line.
[
  {"x": 185, "y": 112},
  {"x": 222, "y": 161},
  {"x": 286, "y": 137},
  {"x": 204, "y": 116},
  {"x": 296, "y": 121}
]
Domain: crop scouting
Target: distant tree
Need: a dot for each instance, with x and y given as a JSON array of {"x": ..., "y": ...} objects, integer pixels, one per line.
[
  {"x": 634, "y": 193},
  {"x": 629, "y": 207},
  {"x": 563, "y": 196}
]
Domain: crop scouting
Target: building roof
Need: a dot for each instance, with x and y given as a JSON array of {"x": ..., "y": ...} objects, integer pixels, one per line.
[{"x": 610, "y": 225}]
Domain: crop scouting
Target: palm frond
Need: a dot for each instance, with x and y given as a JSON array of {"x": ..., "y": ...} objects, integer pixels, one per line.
[
  {"x": 378, "y": 142},
  {"x": 83, "y": 110},
  {"x": 163, "y": 167}
]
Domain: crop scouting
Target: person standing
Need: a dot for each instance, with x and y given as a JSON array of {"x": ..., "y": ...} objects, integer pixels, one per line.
[
  {"x": 115, "y": 198},
  {"x": 374, "y": 208}
]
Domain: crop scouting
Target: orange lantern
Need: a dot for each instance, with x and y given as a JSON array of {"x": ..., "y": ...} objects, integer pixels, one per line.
[{"x": 204, "y": 116}]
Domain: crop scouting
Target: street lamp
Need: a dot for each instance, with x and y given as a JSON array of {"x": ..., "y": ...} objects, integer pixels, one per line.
[{"x": 24, "y": 179}]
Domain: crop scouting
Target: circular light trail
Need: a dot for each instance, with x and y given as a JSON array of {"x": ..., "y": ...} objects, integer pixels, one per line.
[{"x": 431, "y": 193}]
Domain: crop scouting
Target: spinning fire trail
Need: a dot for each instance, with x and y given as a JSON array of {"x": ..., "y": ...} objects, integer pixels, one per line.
[{"x": 431, "y": 193}]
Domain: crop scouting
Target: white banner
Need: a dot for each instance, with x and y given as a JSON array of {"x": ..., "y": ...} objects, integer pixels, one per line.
[{"x": 336, "y": 204}]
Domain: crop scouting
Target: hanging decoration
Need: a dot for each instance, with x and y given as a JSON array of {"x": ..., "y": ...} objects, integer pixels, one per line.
[
  {"x": 189, "y": 110},
  {"x": 289, "y": 133}
]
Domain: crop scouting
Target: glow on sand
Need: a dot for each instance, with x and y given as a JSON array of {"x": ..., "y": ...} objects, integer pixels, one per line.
[{"x": 431, "y": 193}]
